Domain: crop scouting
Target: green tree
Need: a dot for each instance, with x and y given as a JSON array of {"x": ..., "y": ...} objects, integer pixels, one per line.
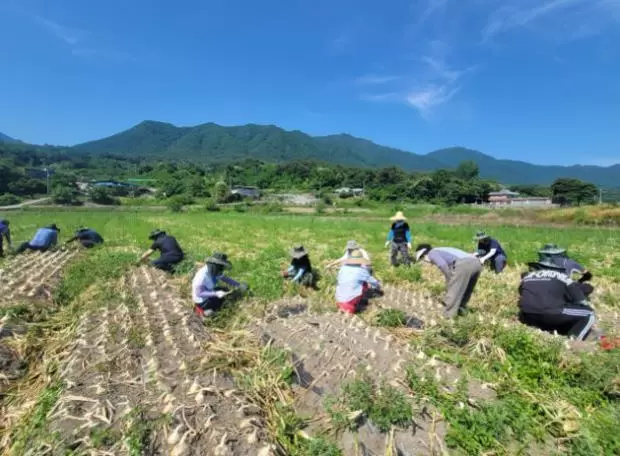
[
  {"x": 467, "y": 170},
  {"x": 65, "y": 195},
  {"x": 101, "y": 195},
  {"x": 221, "y": 192},
  {"x": 568, "y": 191}
]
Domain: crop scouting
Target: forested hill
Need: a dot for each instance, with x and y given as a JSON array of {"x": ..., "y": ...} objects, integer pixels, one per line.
[
  {"x": 7, "y": 139},
  {"x": 212, "y": 143}
]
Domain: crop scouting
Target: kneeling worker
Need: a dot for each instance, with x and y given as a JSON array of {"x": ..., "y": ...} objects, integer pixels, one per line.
[
  {"x": 87, "y": 237},
  {"x": 490, "y": 250},
  {"x": 170, "y": 251},
  {"x": 43, "y": 240},
  {"x": 207, "y": 296},
  {"x": 300, "y": 269},
  {"x": 550, "y": 300},
  {"x": 461, "y": 270},
  {"x": 354, "y": 281},
  {"x": 5, "y": 232}
]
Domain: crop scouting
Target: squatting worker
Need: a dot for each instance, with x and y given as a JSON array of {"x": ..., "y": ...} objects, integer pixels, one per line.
[
  {"x": 88, "y": 237},
  {"x": 461, "y": 270},
  {"x": 300, "y": 269},
  {"x": 354, "y": 281},
  {"x": 5, "y": 232},
  {"x": 170, "y": 251},
  {"x": 489, "y": 249},
  {"x": 550, "y": 300},
  {"x": 43, "y": 240},
  {"x": 399, "y": 239},
  {"x": 206, "y": 294}
]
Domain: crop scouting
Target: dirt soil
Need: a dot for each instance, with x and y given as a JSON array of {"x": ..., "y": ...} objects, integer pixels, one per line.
[
  {"x": 137, "y": 363},
  {"x": 25, "y": 278},
  {"x": 329, "y": 349}
]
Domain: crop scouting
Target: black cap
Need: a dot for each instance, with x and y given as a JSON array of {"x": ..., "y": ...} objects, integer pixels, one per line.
[{"x": 156, "y": 233}]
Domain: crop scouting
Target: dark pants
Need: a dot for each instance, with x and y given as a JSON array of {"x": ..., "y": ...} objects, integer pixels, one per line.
[
  {"x": 574, "y": 321},
  {"x": 498, "y": 263},
  {"x": 26, "y": 246},
  {"x": 213, "y": 303},
  {"x": 166, "y": 263},
  {"x": 403, "y": 249},
  {"x": 1, "y": 248},
  {"x": 586, "y": 288},
  {"x": 89, "y": 244}
]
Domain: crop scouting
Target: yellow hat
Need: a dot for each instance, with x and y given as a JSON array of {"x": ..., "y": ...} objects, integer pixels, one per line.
[{"x": 398, "y": 216}]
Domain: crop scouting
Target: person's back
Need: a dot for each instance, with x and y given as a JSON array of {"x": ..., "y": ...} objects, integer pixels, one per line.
[
  {"x": 302, "y": 263},
  {"x": 400, "y": 230},
  {"x": 44, "y": 238},
  {"x": 202, "y": 282},
  {"x": 168, "y": 247},
  {"x": 90, "y": 236},
  {"x": 548, "y": 291}
]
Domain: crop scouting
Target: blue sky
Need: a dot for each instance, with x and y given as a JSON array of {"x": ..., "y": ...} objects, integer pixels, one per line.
[{"x": 536, "y": 80}]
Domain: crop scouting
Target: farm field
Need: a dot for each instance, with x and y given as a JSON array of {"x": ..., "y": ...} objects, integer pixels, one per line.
[{"x": 100, "y": 357}]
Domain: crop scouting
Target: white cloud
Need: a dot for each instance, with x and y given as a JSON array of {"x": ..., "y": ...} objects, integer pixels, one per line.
[
  {"x": 587, "y": 15},
  {"x": 431, "y": 97},
  {"x": 69, "y": 35}
]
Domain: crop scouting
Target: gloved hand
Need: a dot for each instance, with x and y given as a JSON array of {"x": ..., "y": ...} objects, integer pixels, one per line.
[
  {"x": 220, "y": 294},
  {"x": 482, "y": 260},
  {"x": 243, "y": 287},
  {"x": 409, "y": 245},
  {"x": 387, "y": 243},
  {"x": 587, "y": 276}
]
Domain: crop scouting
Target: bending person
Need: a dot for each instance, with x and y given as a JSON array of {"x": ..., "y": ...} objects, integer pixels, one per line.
[
  {"x": 354, "y": 281},
  {"x": 550, "y": 300},
  {"x": 88, "y": 238},
  {"x": 43, "y": 240},
  {"x": 461, "y": 270},
  {"x": 490, "y": 250},
  {"x": 170, "y": 251},
  {"x": 207, "y": 296},
  {"x": 5, "y": 233}
]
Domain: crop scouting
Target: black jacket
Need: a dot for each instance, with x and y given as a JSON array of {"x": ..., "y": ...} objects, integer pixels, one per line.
[{"x": 547, "y": 292}]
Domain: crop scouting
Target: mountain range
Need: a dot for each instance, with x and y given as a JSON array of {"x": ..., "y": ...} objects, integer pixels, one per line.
[
  {"x": 7, "y": 139},
  {"x": 212, "y": 143}
]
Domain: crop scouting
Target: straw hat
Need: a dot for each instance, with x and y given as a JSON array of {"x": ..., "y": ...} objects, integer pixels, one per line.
[
  {"x": 352, "y": 245},
  {"x": 422, "y": 250},
  {"x": 220, "y": 259},
  {"x": 356, "y": 258},
  {"x": 298, "y": 252},
  {"x": 481, "y": 235},
  {"x": 551, "y": 249},
  {"x": 398, "y": 216}
]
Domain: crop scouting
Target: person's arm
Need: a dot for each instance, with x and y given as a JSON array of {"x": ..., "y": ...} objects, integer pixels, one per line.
[
  {"x": 229, "y": 281},
  {"x": 71, "y": 240},
  {"x": 365, "y": 254},
  {"x": 489, "y": 255},
  {"x": 408, "y": 235},
  {"x": 390, "y": 235},
  {"x": 575, "y": 294},
  {"x": 298, "y": 276},
  {"x": 372, "y": 281},
  {"x": 54, "y": 239},
  {"x": 438, "y": 260},
  {"x": 7, "y": 235},
  {"x": 146, "y": 255},
  {"x": 586, "y": 276}
]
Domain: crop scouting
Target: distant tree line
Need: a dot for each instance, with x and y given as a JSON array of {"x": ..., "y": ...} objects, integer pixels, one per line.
[{"x": 186, "y": 181}]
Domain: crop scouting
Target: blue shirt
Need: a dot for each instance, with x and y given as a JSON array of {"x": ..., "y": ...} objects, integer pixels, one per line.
[
  {"x": 4, "y": 231},
  {"x": 44, "y": 238},
  {"x": 350, "y": 282},
  {"x": 89, "y": 235}
]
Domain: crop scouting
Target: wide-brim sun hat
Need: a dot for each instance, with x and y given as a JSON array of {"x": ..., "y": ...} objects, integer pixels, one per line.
[
  {"x": 356, "y": 258},
  {"x": 547, "y": 263},
  {"x": 481, "y": 235},
  {"x": 53, "y": 227},
  {"x": 421, "y": 250},
  {"x": 219, "y": 258},
  {"x": 298, "y": 252},
  {"x": 156, "y": 233},
  {"x": 551, "y": 249},
  {"x": 352, "y": 245},
  {"x": 398, "y": 216}
]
